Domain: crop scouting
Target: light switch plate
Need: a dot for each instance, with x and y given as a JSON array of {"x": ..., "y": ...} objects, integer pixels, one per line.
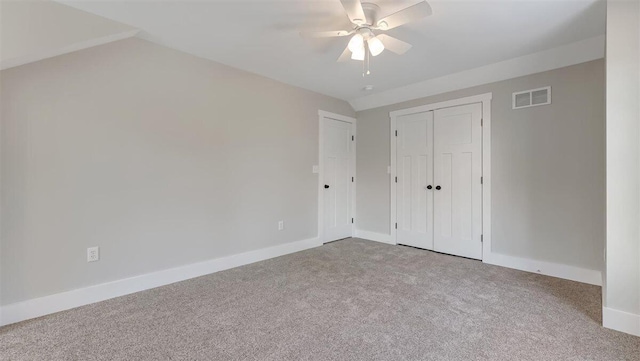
[{"x": 315, "y": 169}]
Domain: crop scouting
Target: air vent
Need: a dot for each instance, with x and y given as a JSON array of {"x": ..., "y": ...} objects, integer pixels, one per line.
[{"x": 531, "y": 98}]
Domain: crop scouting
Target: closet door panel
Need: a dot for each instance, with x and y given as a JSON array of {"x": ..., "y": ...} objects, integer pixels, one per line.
[
  {"x": 415, "y": 172},
  {"x": 457, "y": 177}
]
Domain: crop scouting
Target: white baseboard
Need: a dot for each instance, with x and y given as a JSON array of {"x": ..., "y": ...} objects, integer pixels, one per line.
[
  {"x": 621, "y": 321},
  {"x": 373, "y": 236},
  {"x": 524, "y": 264},
  {"x": 546, "y": 268},
  {"x": 37, "y": 307}
]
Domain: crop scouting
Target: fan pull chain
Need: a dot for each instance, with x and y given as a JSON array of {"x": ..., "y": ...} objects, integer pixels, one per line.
[
  {"x": 367, "y": 56},
  {"x": 368, "y": 60}
]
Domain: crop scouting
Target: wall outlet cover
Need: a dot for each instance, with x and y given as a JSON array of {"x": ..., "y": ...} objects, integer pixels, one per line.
[
  {"x": 280, "y": 225},
  {"x": 93, "y": 254}
]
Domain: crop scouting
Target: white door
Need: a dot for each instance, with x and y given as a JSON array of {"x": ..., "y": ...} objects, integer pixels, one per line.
[
  {"x": 337, "y": 175},
  {"x": 457, "y": 180},
  {"x": 414, "y": 159}
]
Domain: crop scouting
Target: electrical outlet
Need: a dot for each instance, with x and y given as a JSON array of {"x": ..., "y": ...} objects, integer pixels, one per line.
[
  {"x": 93, "y": 254},
  {"x": 280, "y": 225}
]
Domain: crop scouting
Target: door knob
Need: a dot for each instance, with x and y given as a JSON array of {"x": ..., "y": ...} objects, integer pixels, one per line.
[
  {"x": 326, "y": 186},
  {"x": 438, "y": 187},
  {"x": 428, "y": 187}
]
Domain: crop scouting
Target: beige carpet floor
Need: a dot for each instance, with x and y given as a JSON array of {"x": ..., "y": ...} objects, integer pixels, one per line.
[{"x": 347, "y": 300}]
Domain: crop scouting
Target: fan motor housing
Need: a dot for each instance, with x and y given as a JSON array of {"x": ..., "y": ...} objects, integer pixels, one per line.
[{"x": 372, "y": 12}]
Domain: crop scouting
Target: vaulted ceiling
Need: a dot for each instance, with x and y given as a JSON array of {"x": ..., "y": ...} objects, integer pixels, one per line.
[{"x": 262, "y": 36}]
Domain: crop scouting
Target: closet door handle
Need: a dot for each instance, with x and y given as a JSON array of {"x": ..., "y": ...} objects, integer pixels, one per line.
[
  {"x": 428, "y": 187},
  {"x": 326, "y": 186},
  {"x": 438, "y": 187}
]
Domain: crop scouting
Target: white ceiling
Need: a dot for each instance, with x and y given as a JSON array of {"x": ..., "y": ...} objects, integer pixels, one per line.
[{"x": 262, "y": 36}]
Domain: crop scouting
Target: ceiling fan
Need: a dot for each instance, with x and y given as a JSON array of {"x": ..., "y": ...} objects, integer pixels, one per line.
[{"x": 366, "y": 21}]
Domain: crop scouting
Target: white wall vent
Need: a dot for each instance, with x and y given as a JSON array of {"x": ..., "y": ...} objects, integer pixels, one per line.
[{"x": 531, "y": 98}]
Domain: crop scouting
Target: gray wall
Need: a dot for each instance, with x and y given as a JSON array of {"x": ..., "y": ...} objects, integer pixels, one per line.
[
  {"x": 158, "y": 157},
  {"x": 548, "y": 167}
]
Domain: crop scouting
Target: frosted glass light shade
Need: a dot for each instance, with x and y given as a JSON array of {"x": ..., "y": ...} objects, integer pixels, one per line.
[
  {"x": 358, "y": 55},
  {"x": 375, "y": 46},
  {"x": 356, "y": 43}
]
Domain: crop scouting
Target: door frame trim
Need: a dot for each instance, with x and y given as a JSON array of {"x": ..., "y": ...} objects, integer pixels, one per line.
[
  {"x": 322, "y": 115},
  {"x": 485, "y": 99}
]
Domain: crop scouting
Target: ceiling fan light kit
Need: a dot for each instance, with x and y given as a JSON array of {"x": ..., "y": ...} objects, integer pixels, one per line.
[{"x": 365, "y": 19}]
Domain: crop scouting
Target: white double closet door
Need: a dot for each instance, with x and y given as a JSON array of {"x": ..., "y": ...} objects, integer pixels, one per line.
[{"x": 439, "y": 184}]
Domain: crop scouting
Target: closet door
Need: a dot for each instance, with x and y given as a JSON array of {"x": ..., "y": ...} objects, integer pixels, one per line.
[
  {"x": 457, "y": 181},
  {"x": 415, "y": 174}
]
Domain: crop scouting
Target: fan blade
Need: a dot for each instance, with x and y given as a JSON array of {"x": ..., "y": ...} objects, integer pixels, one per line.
[
  {"x": 325, "y": 34},
  {"x": 407, "y": 15},
  {"x": 346, "y": 55},
  {"x": 394, "y": 45},
  {"x": 354, "y": 11}
]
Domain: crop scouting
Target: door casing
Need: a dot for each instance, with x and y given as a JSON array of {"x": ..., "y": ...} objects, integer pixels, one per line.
[
  {"x": 322, "y": 115},
  {"x": 485, "y": 99}
]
